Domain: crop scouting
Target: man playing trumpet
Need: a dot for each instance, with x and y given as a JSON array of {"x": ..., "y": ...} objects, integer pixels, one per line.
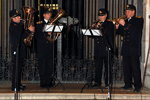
[
  {"x": 102, "y": 45},
  {"x": 131, "y": 29}
]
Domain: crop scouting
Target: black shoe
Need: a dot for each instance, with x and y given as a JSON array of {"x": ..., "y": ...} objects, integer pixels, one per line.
[
  {"x": 126, "y": 87},
  {"x": 23, "y": 87},
  {"x": 45, "y": 86},
  {"x": 96, "y": 86},
  {"x": 20, "y": 89},
  {"x": 138, "y": 90},
  {"x": 106, "y": 86}
]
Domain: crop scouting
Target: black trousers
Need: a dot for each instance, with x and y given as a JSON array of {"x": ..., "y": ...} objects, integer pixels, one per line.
[
  {"x": 45, "y": 54},
  {"x": 45, "y": 71},
  {"x": 100, "y": 62},
  {"x": 131, "y": 69},
  {"x": 17, "y": 64}
]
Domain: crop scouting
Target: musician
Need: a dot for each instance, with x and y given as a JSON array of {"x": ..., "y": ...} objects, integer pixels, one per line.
[
  {"x": 102, "y": 45},
  {"x": 131, "y": 29},
  {"x": 17, "y": 48},
  {"x": 45, "y": 51}
]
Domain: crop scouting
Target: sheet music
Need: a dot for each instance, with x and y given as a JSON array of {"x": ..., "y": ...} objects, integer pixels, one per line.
[
  {"x": 86, "y": 32},
  {"x": 49, "y": 28},
  {"x": 92, "y": 32},
  {"x": 96, "y": 32}
]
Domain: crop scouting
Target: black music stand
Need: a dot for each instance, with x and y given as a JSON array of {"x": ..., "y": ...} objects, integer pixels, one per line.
[
  {"x": 90, "y": 33},
  {"x": 16, "y": 91},
  {"x": 54, "y": 29}
]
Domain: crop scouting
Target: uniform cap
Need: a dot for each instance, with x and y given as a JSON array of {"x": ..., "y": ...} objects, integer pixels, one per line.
[
  {"x": 47, "y": 10},
  {"x": 130, "y": 7},
  {"x": 102, "y": 12},
  {"x": 14, "y": 13}
]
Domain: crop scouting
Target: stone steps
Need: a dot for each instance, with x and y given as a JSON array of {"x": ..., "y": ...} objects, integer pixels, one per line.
[{"x": 73, "y": 96}]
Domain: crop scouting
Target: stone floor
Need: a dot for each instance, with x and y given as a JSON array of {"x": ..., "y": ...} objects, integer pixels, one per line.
[{"x": 72, "y": 92}]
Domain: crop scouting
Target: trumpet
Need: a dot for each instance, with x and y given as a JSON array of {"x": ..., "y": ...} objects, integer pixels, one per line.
[
  {"x": 97, "y": 24},
  {"x": 116, "y": 20}
]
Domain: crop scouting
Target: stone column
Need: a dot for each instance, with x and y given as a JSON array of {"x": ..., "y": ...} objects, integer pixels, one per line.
[
  {"x": 145, "y": 42},
  {"x": 59, "y": 52},
  {"x": 139, "y": 7},
  {"x": 17, "y": 4}
]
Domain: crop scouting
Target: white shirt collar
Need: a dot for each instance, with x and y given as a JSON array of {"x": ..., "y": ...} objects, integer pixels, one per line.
[
  {"x": 129, "y": 19},
  {"x": 46, "y": 20}
]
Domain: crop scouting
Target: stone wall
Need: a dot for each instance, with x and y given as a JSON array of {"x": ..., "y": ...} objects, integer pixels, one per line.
[{"x": 146, "y": 44}]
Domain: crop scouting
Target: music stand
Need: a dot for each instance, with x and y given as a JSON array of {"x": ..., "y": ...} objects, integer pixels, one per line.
[
  {"x": 54, "y": 29},
  {"x": 90, "y": 33}
]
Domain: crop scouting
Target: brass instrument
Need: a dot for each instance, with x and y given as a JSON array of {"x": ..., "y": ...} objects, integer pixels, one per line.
[
  {"x": 97, "y": 24},
  {"x": 28, "y": 21},
  {"x": 53, "y": 36},
  {"x": 58, "y": 16},
  {"x": 116, "y": 20}
]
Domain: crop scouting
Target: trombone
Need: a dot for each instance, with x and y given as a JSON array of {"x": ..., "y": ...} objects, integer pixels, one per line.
[{"x": 54, "y": 36}]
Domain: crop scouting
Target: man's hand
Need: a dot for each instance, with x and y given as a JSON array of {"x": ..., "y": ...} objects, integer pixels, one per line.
[
  {"x": 31, "y": 28},
  {"x": 121, "y": 22},
  {"x": 117, "y": 26},
  {"x": 49, "y": 33}
]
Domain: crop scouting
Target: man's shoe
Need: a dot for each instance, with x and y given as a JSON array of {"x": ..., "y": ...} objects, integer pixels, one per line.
[
  {"x": 138, "y": 90},
  {"x": 19, "y": 90},
  {"x": 126, "y": 87},
  {"x": 23, "y": 87},
  {"x": 45, "y": 86},
  {"x": 106, "y": 86},
  {"x": 95, "y": 86}
]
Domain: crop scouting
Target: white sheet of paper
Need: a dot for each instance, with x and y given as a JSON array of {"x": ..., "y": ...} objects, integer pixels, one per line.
[
  {"x": 86, "y": 32},
  {"x": 49, "y": 28},
  {"x": 95, "y": 32}
]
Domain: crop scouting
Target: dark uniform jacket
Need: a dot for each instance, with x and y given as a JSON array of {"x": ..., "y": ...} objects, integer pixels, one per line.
[
  {"x": 132, "y": 32},
  {"x": 107, "y": 40},
  {"x": 44, "y": 47},
  {"x": 16, "y": 36}
]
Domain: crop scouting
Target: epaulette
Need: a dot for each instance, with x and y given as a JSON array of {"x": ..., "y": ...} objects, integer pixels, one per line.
[
  {"x": 139, "y": 17},
  {"x": 109, "y": 20},
  {"x": 112, "y": 21},
  {"x": 39, "y": 22}
]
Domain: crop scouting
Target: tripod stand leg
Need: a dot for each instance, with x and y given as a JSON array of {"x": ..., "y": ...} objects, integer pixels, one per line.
[
  {"x": 90, "y": 85},
  {"x": 87, "y": 84},
  {"x": 58, "y": 82},
  {"x": 16, "y": 95},
  {"x": 109, "y": 72}
]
